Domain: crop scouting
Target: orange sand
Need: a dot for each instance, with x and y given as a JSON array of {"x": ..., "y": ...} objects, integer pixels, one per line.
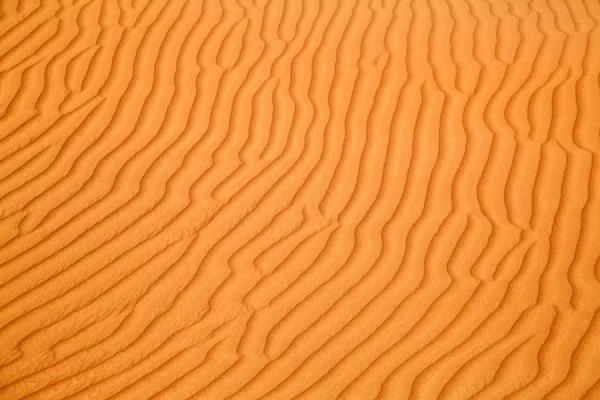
[{"x": 299, "y": 199}]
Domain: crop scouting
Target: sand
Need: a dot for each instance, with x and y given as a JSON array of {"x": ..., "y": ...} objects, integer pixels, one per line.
[{"x": 300, "y": 199}]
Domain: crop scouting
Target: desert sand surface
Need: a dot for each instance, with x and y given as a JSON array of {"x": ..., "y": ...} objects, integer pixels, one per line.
[{"x": 300, "y": 199}]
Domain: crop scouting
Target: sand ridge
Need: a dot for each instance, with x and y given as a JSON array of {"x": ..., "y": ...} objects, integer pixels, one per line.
[{"x": 299, "y": 199}]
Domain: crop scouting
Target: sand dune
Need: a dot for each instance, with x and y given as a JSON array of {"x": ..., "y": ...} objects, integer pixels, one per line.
[{"x": 299, "y": 199}]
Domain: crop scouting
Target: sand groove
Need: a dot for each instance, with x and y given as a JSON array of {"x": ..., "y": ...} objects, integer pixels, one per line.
[{"x": 299, "y": 199}]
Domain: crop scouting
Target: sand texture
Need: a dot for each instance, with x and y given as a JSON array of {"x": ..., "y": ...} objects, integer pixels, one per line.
[{"x": 300, "y": 199}]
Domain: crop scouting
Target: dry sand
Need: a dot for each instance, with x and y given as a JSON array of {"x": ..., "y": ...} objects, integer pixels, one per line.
[{"x": 299, "y": 199}]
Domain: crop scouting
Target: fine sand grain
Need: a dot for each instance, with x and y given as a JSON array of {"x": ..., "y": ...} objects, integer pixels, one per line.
[{"x": 300, "y": 199}]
